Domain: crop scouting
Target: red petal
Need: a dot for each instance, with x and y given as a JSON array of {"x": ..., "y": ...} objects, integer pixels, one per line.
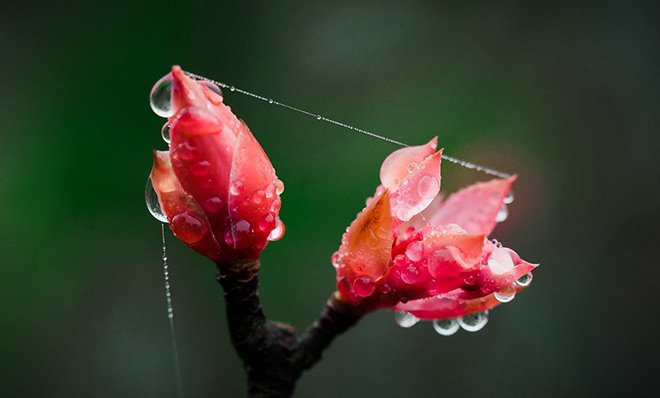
[
  {"x": 395, "y": 166},
  {"x": 253, "y": 200},
  {"x": 474, "y": 208},
  {"x": 185, "y": 216}
]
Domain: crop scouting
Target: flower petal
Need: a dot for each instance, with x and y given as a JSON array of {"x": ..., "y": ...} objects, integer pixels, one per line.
[
  {"x": 186, "y": 218},
  {"x": 474, "y": 208},
  {"x": 418, "y": 189},
  {"x": 254, "y": 200},
  {"x": 366, "y": 247},
  {"x": 443, "y": 307},
  {"x": 395, "y": 166}
]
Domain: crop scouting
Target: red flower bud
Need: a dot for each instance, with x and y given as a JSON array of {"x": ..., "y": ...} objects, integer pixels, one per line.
[
  {"x": 412, "y": 251},
  {"x": 216, "y": 186}
]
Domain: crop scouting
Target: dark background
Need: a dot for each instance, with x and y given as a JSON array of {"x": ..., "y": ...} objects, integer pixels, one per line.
[{"x": 566, "y": 95}]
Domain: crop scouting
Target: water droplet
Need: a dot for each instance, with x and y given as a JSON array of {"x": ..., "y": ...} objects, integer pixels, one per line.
[
  {"x": 160, "y": 98},
  {"x": 506, "y": 294},
  {"x": 232, "y": 88},
  {"x": 211, "y": 86},
  {"x": 270, "y": 101},
  {"x": 508, "y": 199},
  {"x": 259, "y": 196},
  {"x": 229, "y": 240},
  {"x": 188, "y": 228},
  {"x": 275, "y": 206},
  {"x": 405, "y": 319},
  {"x": 267, "y": 223},
  {"x": 165, "y": 133},
  {"x": 473, "y": 322},
  {"x": 414, "y": 251},
  {"x": 428, "y": 187},
  {"x": 412, "y": 166},
  {"x": 236, "y": 188},
  {"x": 372, "y": 240},
  {"x": 243, "y": 234},
  {"x": 153, "y": 204},
  {"x": 524, "y": 280},
  {"x": 213, "y": 204},
  {"x": 502, "y": 214},
  {"x": 277, "y": 232},
  {"x": 279, "y": 187},
  {"x": 200, "y": 168},
  {"x": 446, "y": 327},
  {"x": 185, "y": 151},
  {"x": 363, "y": 286},
  {"x": 319, "y": 117}
]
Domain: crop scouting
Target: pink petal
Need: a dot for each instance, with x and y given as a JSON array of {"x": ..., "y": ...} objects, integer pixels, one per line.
[
  {"x": 474, "y": 208},
  {"x": 444, "y": 308},
  {"x": 253, "y": 192},
  {"x": 395, "y": 167},
  {"x": 186, "y": 218},
  {"x": 417, "y": 189}
]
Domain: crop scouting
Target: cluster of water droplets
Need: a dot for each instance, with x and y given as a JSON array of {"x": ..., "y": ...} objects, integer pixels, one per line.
[{"x": 446, "y": 327}]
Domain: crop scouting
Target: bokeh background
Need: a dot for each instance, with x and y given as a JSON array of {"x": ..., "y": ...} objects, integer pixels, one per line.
[{"x": 564, "y": 94}]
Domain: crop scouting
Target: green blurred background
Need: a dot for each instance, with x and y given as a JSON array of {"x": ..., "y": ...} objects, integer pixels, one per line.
[{"x": 566, "y": 95}]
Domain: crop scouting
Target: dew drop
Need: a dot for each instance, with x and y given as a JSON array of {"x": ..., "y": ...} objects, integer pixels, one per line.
[
  {"x": 232, "y": 88},
  {"x": 524, "y": 280},
  {"x": 259, "y": 196},
  {"x": 213, "y": 204},
  {"x": 160, "y": 98},
  {"x": 153, "y": 204},
  {"x": 200, "y": 168},
  {"x": 270, "y": 101},
  {"x": 372, "y": 240},
  {"x": 236, "y": 188},
  {"x": 165, "y": 133},
  {"x": 363, "y": 286},
  {"x": 277, "y": 232},
  {"x": 319, "y": 117},
  {"x": 243, "y": 234},
  {"x": 275, "y": 206},
  {"x": 508, "y": 199},
  {"x": 502, "y": 214},
  {"x": 188, "y": 228},
  {"x": 412, "y": 166},
  {"x": 428, "y": 187},
  {"x": 211, "y": 86},
  {"x": 446, "y": 327},
  {"x": 405, "y": 319},
  {"x": 267, "y": 223},
  {"x": 473, "y": 322},
  {"x": 279, "y": 187},
  {"x": 506, "y": 294},
  {"x": 414, "y": 251}
]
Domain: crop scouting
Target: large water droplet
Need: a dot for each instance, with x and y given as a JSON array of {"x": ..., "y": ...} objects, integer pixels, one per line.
[
  {"x": 277, "y": 232},
  {"x": 473, "y": 322},
  {"x": 236, "y": 188},
  {"x": 508, "y": 199},
  {"x": 279, "y": 187},
  {"x": 506, "y": 294},
  {"x": 243, "y": 233},
  {"x": 259, "y": 196},
  {"x": 165, "y": 133},
  {"x": 213, "y": 204},
  {"x": 188, "y": 228},
  {"x": 363, "y": 287},
  {"x": 161, "y": 97},
  {"x": 428, "y": 187},
  {"x": 502, "y": 214},
  {"x": 151, "y": 198},
  {"x": 211, "y": 86},
  {"x": 414, "y": 251},
  {"x": 405, "y": 319},
  {"x": 524, "y": 280},
  {"x": 446, "y": 327}
]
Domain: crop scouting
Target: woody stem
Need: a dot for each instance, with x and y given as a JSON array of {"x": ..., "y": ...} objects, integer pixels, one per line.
[{"x": 273, "y": 356}]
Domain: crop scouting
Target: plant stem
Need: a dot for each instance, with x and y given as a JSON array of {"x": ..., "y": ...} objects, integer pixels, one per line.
[{"x": 273, "y": 356}]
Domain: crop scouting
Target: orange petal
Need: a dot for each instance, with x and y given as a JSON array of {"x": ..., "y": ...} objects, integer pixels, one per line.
[{"x": 368, "y": 243}]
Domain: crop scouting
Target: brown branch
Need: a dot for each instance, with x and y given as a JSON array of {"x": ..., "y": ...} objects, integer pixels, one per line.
[{"x": 272, "y": 354}]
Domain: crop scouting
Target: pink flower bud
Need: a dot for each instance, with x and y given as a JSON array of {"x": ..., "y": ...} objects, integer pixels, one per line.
[{"x": 216, "y": 185}]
